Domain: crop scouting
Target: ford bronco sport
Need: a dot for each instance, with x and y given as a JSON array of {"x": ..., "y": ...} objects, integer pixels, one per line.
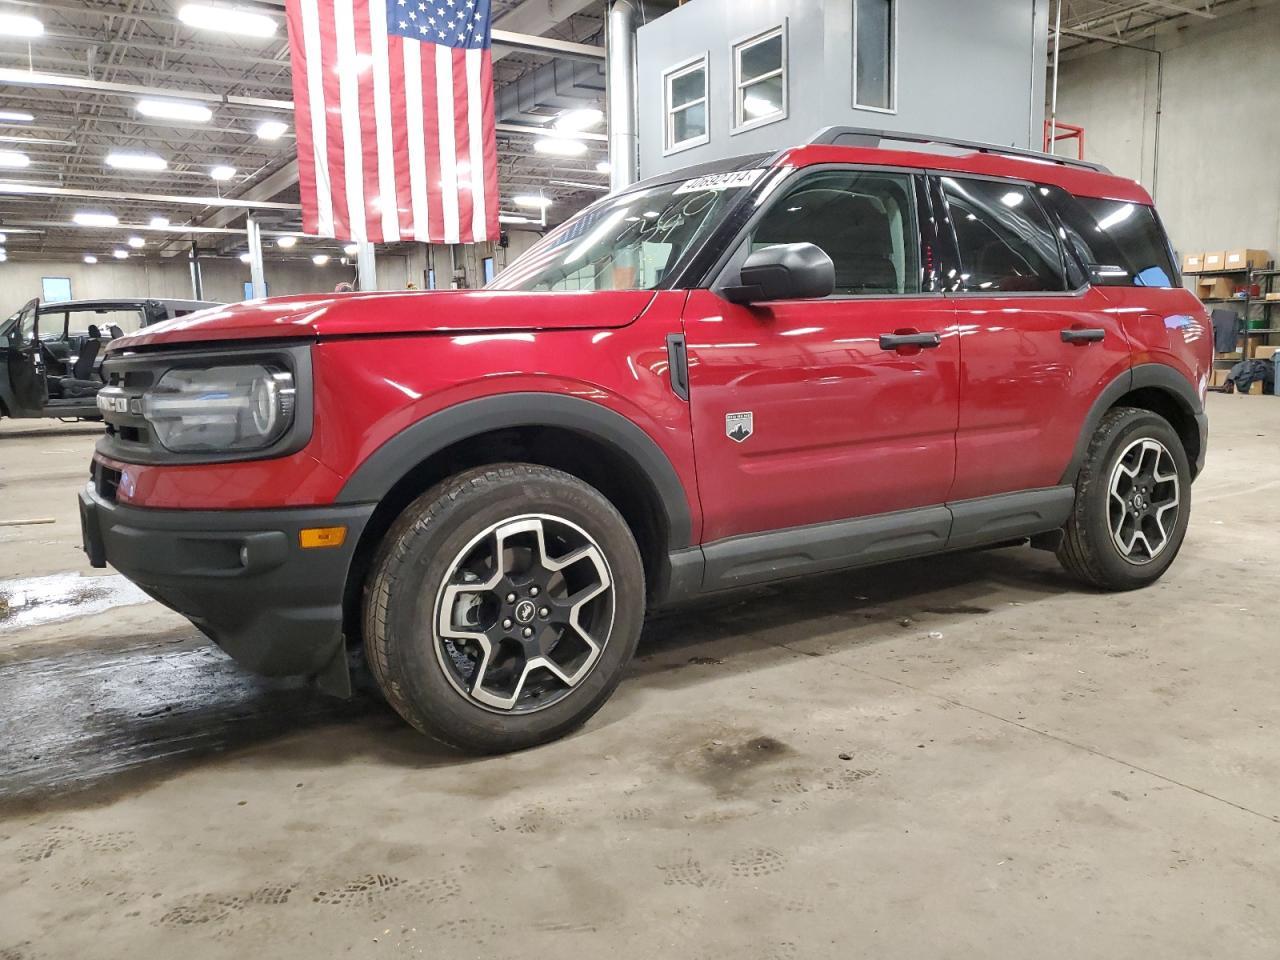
[{"x": 843, "y": 354}]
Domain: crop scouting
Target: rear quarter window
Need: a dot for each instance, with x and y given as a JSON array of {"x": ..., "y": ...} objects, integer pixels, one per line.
[{"x": 1121, "y": 244}]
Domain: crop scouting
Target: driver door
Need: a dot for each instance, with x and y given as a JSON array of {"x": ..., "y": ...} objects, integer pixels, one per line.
[
  {"x": 25, "y": 364},
  {"x": 808, "y": 413}
]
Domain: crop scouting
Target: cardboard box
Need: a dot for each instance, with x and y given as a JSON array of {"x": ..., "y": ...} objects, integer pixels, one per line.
[
  {"x": 1215, "y": 288},
  {"x": 1243, "y": 259},
  {"x": 1265, "y": 352},
  {"x": 1273, "y": 296},
  {"x": 1218, "y": 377},
  {"x": 1214, "y": 261},
  {"x": 1256, "y": 387},
  {"x": 1193, "y": 263}
]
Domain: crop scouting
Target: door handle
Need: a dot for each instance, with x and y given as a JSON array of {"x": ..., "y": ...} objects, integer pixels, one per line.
[
  {"x": 1081, "y": 335},
  {"x": 896, "y": 341}
]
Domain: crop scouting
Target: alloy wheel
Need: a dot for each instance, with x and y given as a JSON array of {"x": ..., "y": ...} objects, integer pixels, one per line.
[
  {"x": 1144, "y": 500},
  {"x": 523, "y": 614}
]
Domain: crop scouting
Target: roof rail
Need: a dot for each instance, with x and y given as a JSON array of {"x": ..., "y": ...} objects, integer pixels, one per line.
[{"x": 865, "y": 137}]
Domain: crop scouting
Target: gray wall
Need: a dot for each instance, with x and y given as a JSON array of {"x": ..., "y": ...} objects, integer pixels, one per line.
[
  {"x": 224, "y": 278},
  {"x": 971, "y": 70},
  {"x": 1216, "y": 174}
]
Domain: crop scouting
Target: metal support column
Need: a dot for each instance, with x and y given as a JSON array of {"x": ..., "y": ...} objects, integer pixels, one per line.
[
  {"x": 197, "y": 277},
  {"x": 620, "y": 70},
  {"x": 366, "y": 267},
  {"x": 257, "y": 276}
]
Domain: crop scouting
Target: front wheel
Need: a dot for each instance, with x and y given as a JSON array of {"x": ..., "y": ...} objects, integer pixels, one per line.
[
  {"x": 503, "y": 607},
  {"x": 1133, "y": 502}
]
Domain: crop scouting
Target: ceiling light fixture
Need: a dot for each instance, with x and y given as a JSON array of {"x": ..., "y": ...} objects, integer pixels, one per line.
[
  {"x": 245, "y": 258},
  {"x": 222, "y": 172},
  {"x": 203, "y": 16},
  {"x": 120, "y": 254},
  {"x": 137, "y": 243},
  {"x": 559, "y": 147},
  {"x": 351, "y": 249},
  {"x": 125, "y": 160},
  {"x": 4, "y": 238},
  {"x": 320, "y": 259},
  {"x": 512, "y": 218},
  {"x": 604, "y": 166},
  {"x": 15, "y": 116},
  {"x": 88, "y": 219},
  {"x": 175, "y": 110},
  {"x": 575, "y": 121},
  {"x": 272, "y": 129},
  {"x": 90, "y": 258},
  {"x": 159, "y": 223},
  {"x": 13, "y": 159},
  {"x": 531, "y": 201},
  {"x": 17, "y": 25},
  {"x": 286, "y": 243}
]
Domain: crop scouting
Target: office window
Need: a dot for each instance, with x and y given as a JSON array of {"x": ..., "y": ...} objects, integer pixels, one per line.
[
  {"x": 248, "y": 290},
  {"x": 1006, "y": 241},
  {"x": 760, "y": 79},
  {"x": 488, "y": 269},
  {"x": 864, "y": 221},
  {"x": 686, "y": 105},
  {"x": 55, "y": 289},
  {"x": 874, "y": 31}
]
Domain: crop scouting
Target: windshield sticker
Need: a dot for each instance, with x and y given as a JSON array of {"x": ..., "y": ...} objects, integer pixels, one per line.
[{"x": 721, "y": 181}]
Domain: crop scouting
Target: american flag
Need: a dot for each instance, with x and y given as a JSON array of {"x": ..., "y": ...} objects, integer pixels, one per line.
[{"x": 393, "y": 105}]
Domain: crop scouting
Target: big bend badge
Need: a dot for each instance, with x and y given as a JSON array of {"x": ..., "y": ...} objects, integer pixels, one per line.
[{"x": 738, "y": 426}]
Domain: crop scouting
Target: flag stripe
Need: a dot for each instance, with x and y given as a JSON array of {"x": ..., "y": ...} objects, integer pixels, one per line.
[{"x": 394, "y": 117}]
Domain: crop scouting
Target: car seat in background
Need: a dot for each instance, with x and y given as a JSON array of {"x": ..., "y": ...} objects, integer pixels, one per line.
[
  {"x": 115, "y": 331},
  {"x": 82, "y": 382}
]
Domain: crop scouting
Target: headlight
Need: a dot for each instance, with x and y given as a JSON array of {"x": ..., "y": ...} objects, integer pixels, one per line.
[{"x": 221, "y": 409}]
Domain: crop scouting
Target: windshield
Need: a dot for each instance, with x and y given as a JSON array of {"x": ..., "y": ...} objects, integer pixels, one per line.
[{"x": 628, "y": 242}]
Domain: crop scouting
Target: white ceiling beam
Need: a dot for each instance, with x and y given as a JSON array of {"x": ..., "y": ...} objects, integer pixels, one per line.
[
  {"x": 536, "y": 17},
  {"x": 9, "y": 188},
  {"x": 1183, "y": 7}
]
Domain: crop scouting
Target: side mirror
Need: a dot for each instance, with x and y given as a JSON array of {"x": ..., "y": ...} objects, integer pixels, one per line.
[{"x": 788, "y": 271}]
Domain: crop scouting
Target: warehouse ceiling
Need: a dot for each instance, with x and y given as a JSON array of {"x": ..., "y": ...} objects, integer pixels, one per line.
[
  {"x": 144, "y": 43},
  {"x": 1100, "y": 23}
]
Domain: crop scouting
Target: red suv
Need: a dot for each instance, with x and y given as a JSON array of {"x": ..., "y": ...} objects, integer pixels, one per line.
[{"x": 765, "y": 368}]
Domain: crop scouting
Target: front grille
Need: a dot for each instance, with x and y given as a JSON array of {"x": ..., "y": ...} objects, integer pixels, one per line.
[{"x": 106, "y": 481}]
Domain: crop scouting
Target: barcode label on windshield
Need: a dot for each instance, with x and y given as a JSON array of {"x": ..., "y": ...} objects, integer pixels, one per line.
[{"x": 721, "y": 181}]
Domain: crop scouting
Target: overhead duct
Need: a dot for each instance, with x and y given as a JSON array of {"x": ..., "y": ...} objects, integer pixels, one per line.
[{"x": 558, "y": 85}]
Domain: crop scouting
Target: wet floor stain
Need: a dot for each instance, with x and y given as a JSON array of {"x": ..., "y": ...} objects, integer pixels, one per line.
[
  {"x": 34, "y": 601},
  {"x": 90, "y": 720}
]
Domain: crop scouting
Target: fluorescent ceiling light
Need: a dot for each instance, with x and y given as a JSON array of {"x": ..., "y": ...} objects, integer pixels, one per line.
[
  {"x": 17, "y": 25},
  {"x": 120, "y": 254},
  {"x": 272, "y": 129},
  {"x": 14, "y": 159},
  {"x": 245, "y": 258},
  {"x": 604, "y": 166},
  {"x": 137, "y": 243},
  {"x": 351, "y": 249},
  {"x": 531, "y": 201},
  {"x": 222, "y": 172},
  {"x": 124, "y": 160},
  {"x": 1011, "y": 199},
  {"x": 159, "y": 223},
  {"x": 559, "y": 147},
  {"x": 87, "y": 219},
  {"x": 90, "y": 258},
  {"x": 204, "y": 16},
  {"x": 4, "y": 238},
  {"x": 15, "y": 116},
  {"x": 175, "y": 110},
  {"x": 1119, "y": 215},
  {"x": 3, "y": 256},
  {"x": 320, "y": 259},
  {"x": 575, "y": 121},
  {"x": 286, "y": 243},
  {"x": 512, "y": 218}
]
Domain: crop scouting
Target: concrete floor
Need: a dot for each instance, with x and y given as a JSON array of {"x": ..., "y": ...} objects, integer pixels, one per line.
[{"x": 963, "y": 757}]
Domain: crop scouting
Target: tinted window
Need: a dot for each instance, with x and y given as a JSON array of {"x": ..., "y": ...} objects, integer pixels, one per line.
[
  {"x": 1006, "y": 240},
  {"x": 1124, "y": 239},
  {"x": 865, "y": 222}
]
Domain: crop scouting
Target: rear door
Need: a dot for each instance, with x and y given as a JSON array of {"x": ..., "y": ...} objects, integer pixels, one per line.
[
  {"x": 1037, "y": 344},
  {"x": 807, "y": 411},
  {"x": 24, "y": 363}
]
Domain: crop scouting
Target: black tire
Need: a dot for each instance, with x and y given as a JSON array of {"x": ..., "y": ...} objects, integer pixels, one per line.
[
  {"x": 1088, "y": 550},
  {"x": 407, "y": 578}
]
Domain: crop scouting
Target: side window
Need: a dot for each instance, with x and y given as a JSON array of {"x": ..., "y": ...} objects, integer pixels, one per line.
[
  {"x": 1006, "y": 241},
  {"x": 1124, "y": 238},
  {"x": 873, "y": 54},
  {"x": 864, "y": 221},
  {"x": 760, "y": 80},
  {"x": 685, "y": 102}
]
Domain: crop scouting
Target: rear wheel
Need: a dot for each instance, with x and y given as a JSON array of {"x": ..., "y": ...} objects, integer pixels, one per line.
[
  {"x": 1132, "y": 503},
  {"x": 503, "y": 606}
]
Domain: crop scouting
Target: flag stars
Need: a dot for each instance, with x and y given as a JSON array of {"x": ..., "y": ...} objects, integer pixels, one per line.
[{"x": 403, "y": 25}]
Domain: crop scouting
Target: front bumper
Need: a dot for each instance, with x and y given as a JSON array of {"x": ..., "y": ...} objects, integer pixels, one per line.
[{"x": 240, "y": 576}]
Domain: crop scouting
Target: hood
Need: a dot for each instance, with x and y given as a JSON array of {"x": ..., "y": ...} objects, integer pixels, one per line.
[{"x": 406, "y": 312}]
